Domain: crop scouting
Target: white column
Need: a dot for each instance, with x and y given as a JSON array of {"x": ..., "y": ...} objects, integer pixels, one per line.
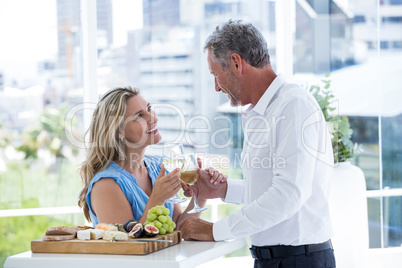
[
  {"x": 285, "y": 21},
  {"x": 90, "y": 56}
]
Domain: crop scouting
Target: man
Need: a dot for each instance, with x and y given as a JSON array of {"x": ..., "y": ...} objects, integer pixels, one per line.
[{"x": 286, "y": 159}]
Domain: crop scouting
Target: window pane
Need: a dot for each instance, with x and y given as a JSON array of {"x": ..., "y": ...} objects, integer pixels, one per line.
[
  {"x": 374, "y": 220},
  {"x": 391, "y": 118},
  {"x": 41, "y": 74},
  {"x": 366, "y": 82},
  {"x": 392, "y": 221},
  {"x": 163, "y": 55}
]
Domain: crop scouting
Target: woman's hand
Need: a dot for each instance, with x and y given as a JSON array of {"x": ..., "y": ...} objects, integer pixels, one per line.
[
  {"x": 209, "y": 181},
  {"x": 166, "y": 186}
]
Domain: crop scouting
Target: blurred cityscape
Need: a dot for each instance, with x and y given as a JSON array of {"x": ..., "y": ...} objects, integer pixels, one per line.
[{"x": 165, "y": 60}]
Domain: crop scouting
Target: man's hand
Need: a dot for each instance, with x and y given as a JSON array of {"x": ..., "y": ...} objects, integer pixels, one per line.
[
  {"x": 211, "y": 184},
  {"x": 194, "y": 228},
  {"x": 204, "y": 188}
]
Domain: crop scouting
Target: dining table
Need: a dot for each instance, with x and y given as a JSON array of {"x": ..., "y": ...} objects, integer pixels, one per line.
[{"x": 183, "y": 255}]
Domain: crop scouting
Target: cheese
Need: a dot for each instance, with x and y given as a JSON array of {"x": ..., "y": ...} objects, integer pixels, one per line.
[
  {"x": 106, "y": 227},
  {"x": 96, "y": 233},
  {"x": 84, "y": 234},
  {"x": 114, "y": 235}
]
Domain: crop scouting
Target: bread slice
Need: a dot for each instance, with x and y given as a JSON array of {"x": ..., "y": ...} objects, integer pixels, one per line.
[
  {"x": 62, "y": 230},
  {"x": 58, "y": 237}
]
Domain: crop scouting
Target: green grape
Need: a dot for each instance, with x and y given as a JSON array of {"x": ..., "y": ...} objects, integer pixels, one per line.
[
  {"x": 162, "y": 231},
  {"x": 162, "y": 219},
  {"x": 171, "y": 229},
  {"x": 152, "y": 217},
  {"x": 152, "y": 210},
  {"x": 151, "y": 223},
  {"x": 159, "y": 211},
  {"x": 165, "y": 226},
  {"x": 165, "y": 211},
  {"x": 169, "y": 220},
  {"x": 157, "y": 224},
  {"x": 173, "y": 225}
]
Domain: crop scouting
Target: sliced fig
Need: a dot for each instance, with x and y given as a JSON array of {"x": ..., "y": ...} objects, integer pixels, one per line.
[
  {"x": 128, "y": 225},
  {"x": 136, "y": 231},
  {"x": 151, "y": 230}
]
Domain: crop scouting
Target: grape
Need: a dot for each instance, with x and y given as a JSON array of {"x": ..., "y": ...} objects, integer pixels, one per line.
[
  {"x": 165, "y": 211},
  {"x": 152, "y": 210},
  {"x": 162, "y": 219},
  {"x": 152, "y": 217},
  {"x": 171, "y": 229},
  {"x": 158, "y": 216},
  {"x": 165, "y": 226},
  {"x": 159, "y": 211},
  {"x": 169, "y": 221},
  {"x": 157, "y": 224}
]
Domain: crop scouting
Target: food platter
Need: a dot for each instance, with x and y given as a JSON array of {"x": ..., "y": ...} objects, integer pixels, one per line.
[{"x": 131, "y": 246}]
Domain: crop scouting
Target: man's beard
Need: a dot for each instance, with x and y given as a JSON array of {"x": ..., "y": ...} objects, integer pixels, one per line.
[{"x": 234, "y": 94}]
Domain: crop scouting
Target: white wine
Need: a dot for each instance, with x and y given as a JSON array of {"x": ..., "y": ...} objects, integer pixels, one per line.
[
  {"x": 189, "y": 176},
  {"x": 173, "y": 163}
]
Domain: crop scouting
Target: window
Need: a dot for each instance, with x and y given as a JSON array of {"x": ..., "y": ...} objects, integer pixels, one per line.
[{"x": 43, "y": 76}]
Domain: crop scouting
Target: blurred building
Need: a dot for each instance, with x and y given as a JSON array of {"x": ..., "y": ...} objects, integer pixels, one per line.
[
  {"x": 69, "y": 31},
  {"x": 20, "y": 107},
  {"x": 389, "y": 20},
  {"x": 172, "y": 70},
  {"x": 161, "y": 13}
]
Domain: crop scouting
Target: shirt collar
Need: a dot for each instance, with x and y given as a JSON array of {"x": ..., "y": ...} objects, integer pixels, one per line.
[{"x": 266, "y": 98}]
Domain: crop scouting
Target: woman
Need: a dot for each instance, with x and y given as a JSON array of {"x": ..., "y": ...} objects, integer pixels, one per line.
[{"x": 120, "y": 182}]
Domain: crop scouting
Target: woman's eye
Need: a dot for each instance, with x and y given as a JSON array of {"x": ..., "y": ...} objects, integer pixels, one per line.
[
  {"x": 138, "y": 117},
  {"x": 149, "y": 108}
]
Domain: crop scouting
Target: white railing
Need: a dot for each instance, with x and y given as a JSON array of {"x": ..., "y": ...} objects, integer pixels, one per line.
[
  {"x": 386, "y": 192},
  {"x": 39, "y": 211}
]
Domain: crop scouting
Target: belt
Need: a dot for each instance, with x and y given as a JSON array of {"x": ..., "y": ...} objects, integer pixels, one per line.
[{"x": 269, "y": 252}]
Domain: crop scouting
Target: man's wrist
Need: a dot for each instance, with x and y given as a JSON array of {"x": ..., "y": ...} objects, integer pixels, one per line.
[{"x": 223, "y": 190}]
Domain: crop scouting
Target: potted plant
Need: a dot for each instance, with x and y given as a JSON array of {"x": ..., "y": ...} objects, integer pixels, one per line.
[
  {"x": 348, "y": 201},
  {"x": 339, "y": 127}
]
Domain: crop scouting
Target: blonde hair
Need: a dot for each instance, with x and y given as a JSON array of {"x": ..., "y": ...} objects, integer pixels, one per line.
[{"x": 104, "y": 144}]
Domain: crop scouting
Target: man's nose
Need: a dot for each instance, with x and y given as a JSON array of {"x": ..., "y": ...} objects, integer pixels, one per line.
[{"x": 217, "y": 88}]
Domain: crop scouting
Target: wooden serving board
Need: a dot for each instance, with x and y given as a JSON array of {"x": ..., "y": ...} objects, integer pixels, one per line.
[{"x": 128, "y": 247}]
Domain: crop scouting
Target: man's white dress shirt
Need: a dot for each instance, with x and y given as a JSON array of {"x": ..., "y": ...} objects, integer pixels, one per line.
[{"x": 287, "y": 165}]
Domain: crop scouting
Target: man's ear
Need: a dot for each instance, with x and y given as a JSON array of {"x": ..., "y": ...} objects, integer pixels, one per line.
[{"x": 236, "y": 62}]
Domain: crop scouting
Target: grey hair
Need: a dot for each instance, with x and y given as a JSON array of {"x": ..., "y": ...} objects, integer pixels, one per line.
[{"x": 241, "y": 38}]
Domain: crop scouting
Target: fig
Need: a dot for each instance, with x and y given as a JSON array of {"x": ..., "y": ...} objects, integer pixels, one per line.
[
  {"x": 128, "y": 225},
  {"x": 136, "y": 231},
  {"x": 151, "y": 230}
]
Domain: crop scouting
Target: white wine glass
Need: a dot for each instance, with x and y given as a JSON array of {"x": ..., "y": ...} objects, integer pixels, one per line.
[
  {"x": 173, "y": 157},
  {"x": 189, "y": 175}
]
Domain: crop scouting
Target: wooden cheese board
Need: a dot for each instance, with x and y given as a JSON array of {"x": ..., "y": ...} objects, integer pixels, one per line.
[{"x": 128, "y": 247}]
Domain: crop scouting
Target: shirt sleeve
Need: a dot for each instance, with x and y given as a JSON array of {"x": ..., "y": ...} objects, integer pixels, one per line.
[
  {"x": 291, "y": 186},
  {"x": 235, "y": 192}
]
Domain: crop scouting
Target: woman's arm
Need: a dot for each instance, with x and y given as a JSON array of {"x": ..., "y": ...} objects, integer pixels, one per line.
[
  {"x": 109, "y": 203},
  {"x": 165, "y": 186}
]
